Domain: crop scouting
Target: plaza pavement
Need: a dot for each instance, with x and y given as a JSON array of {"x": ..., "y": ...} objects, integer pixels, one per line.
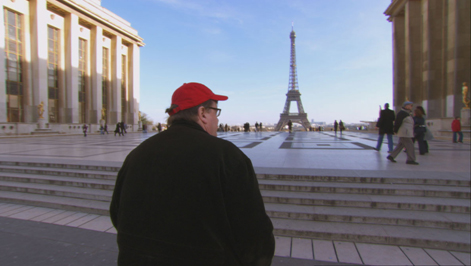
[{"x": 85, "y": 241}]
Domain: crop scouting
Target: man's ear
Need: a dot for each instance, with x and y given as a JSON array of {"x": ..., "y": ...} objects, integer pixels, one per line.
[{"x": 202, "y": 115}]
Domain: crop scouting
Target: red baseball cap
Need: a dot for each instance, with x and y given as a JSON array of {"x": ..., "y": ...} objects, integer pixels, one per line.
[{"x": 192, "y": 94}]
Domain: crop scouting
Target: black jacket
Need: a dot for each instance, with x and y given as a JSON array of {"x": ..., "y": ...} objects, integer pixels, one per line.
[
  {"x": 385, "y": 121},
  {"x": 184, "y": 197}
]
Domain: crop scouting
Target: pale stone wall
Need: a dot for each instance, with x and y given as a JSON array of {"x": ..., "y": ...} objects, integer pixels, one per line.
[
  {"x": 89, "y": 21},
  {"x": 431, "y": 55}
]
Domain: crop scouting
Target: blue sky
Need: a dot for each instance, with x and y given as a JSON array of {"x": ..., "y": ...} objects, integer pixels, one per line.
[{"x": 241, "y": 48}]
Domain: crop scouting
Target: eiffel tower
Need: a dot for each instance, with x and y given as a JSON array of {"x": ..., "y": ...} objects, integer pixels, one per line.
[{"x": 293, "y": 95}]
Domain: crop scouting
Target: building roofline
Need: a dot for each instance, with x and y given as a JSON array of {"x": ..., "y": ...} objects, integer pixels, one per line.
[
  {"x": 102, "y": 20},
  {"x": 395, "y": 8}
]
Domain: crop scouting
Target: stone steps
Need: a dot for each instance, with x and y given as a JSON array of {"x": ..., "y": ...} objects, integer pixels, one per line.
[
  {"x": 59, "y": 180},
  {"x": 460, "y": 182},
  {"x": 55, "y": 190},
  {"x": 321, "y": 207},
  {"x": 380, "y": 234},
  {"x": 368, "y": 201},
  {"x": 56, "y": 202},
  {"x": 45, "y": 170},
  {"x": 365, "y": 188},
  {"x": 451, "y": 221},
  {"x": 92, "y": 167}
]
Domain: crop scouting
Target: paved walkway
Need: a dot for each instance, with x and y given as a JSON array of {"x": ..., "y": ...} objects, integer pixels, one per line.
[{"x": 36, "y": 236}]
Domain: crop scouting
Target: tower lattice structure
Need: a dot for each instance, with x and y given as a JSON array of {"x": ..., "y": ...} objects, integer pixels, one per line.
[{"x": 293, "y": 95}]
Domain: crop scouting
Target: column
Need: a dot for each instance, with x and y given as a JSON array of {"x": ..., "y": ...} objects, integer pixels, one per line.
[
  {"x": 115, "y": 91},
  {"x": 71, "y": 68},
  {"x": 3, "y": 95},
  {"x": 96, "y": 48},
  {"x": 39, "y": 57},
  {"x": 399, "y": 62},
  {"x": 134, "y": 84},
  {"x": 433, "y": 57},
  {"x": 413, "y": 51},
  {"x": 458, "y": 47}
]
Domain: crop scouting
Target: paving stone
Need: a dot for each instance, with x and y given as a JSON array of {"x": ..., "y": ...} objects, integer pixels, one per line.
[
  {"x": 58, "y": 217},
  {"x": 82, "y": 220},
  {"x": 302, "y": 249},
  {"x": 464, "y": 258},
  {"x": 382, "y": 255},
  {"x": 13, "y": 211},
  {"x": 324, "y": 250},
  {"x": 418, "y": 256},
  {"x": 347, "y": 252},
  {"x": 283, "y": 246},
  {"x": 31, "y": 213},
  {"x": 47, "y": 215},
  {"x": 70, "y": 218},
  {"x": 8, "y": 207},
  {"x": 443, "y": 257},
  {"x": 112, "y": 230},
  {"x": 101, "y": 223}
]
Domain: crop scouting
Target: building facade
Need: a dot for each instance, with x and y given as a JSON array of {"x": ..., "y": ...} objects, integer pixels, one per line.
[
  {"x": 66, "y": 63},
  {"x": 431, "y": 56}
]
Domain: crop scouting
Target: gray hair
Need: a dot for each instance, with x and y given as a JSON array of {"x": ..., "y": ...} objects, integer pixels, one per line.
[{"x": 189, "y": 114}]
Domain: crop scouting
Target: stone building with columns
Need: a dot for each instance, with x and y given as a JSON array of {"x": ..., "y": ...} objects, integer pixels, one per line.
[
  {"x": 431, "y": 56},
  {"x": 66, "y": 63}
]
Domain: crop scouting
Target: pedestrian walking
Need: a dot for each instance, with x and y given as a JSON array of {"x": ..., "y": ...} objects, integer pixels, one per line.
[
  {"x": 290, "y": 126},
  {"x": 336, "y": 125},
  {"x": 341, "y": 127},
  {"x": 118, "y": 130},
  {"x": 419, "y": 130},
  {"x": 187, "y": 197},
  {"x": 123, "y": 128},
  {"x": 159, "y": 127},
  {"x": 386, "y": 126},
  {"x": 427, "y": 135},
  {"x": 84, "y": 129},
  {"x": 404, "y": 128},
  {"x": 456, "y": 128}
]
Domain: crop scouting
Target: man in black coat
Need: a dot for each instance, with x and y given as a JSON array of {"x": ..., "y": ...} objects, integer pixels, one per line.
[
  {"x": 187, "y": 197},
  {"x": 386, "y": 126}
]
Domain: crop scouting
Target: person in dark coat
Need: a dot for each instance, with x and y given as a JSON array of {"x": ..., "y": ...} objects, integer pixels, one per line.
[
  {"x": 186, "y": 197},
  {"x": 118, "y": 129},
  {"x": 84, "y": 129},
  {"x": 386, "y": 126},
  {"x": 290, "y": 126},
  {"x": 425, "y": 143},
  {"x": 336, "y": 125},
  {"x": 419, "y": 130},
  {"x": 341, "y": 126}
]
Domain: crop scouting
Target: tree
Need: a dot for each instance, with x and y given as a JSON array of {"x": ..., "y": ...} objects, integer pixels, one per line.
[{"x": 146, "y": 120}]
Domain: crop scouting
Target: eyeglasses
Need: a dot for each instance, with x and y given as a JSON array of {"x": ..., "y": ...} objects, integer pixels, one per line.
[{"x": 218, "y": 111}]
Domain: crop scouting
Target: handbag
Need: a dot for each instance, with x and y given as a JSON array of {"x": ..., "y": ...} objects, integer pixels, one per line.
[{"x": 428, "y": 134}]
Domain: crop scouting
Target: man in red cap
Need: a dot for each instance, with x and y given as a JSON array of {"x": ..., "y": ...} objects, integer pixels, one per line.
[{"x": 186, "y": 197}]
